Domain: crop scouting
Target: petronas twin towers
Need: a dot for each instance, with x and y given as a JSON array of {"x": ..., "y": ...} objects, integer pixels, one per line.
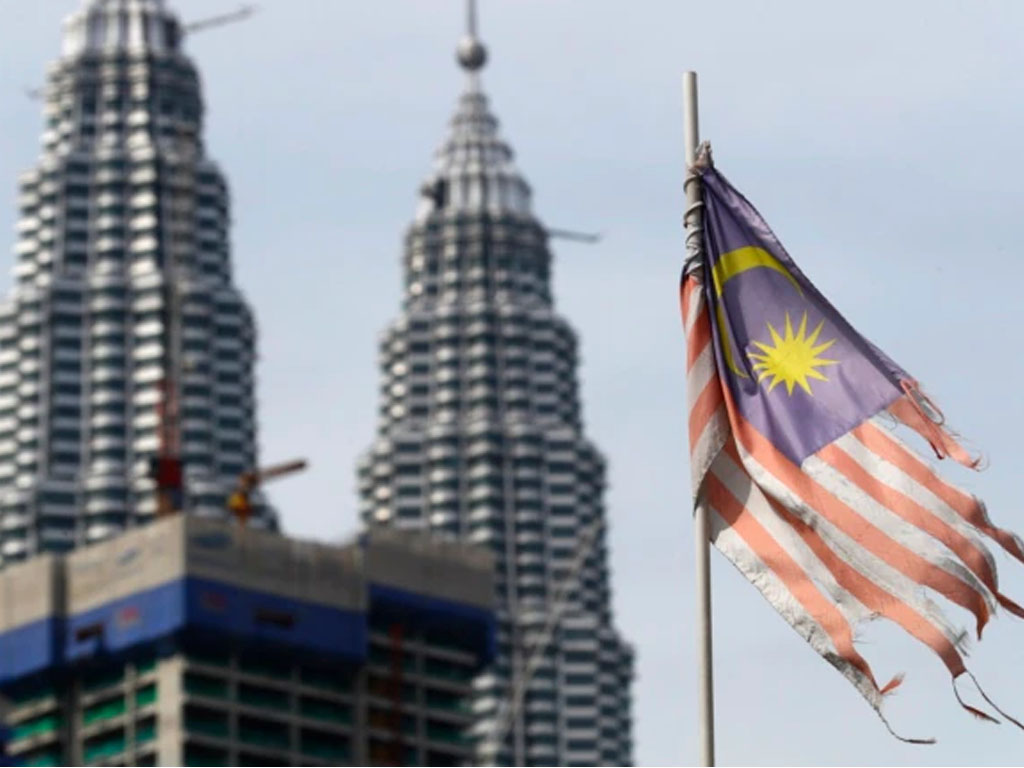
[
  {"x": 481, "y": 439},
  {"x": 123, "y": 302},
  {"x": 122, "y": 293}
]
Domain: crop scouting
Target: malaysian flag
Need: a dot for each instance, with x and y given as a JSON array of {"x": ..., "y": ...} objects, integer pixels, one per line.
[{"x": 809, "y": 491}]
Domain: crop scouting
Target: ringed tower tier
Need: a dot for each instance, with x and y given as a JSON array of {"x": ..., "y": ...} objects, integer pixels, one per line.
[
  {"x": 123, "y": 337},
  {"x": 481, "y": 439}
]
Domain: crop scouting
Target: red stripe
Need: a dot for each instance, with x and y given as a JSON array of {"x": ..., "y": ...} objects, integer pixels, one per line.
[
  {"x": 909, "y": 510},
  {"x": 920, "y": 517},
  {"x": 872, "y": 596},
  {"x": 703, "y": 409},
  {"x": 788, "y": 571},
  {"x": 699, "y": 335},
  {"x": 685, "y": 296},
  {"x": 969, "y": 508},
  {"x": 903, "y": 559},
  {"x": 909, "y": 411}
]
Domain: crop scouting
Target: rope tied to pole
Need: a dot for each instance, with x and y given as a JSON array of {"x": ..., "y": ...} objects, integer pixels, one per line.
[{"x": 693, "y": 215}]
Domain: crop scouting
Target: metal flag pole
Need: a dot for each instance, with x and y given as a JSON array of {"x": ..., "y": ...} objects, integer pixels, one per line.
[{"x": 694, "y": 221}]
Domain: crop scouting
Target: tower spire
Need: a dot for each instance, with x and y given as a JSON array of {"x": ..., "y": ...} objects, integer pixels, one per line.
[
  {"x": 118, "y": 26},
  {"x": 472, "y": 54}
]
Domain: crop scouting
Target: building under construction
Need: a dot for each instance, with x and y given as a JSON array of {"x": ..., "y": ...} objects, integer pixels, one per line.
[{"x": 199, "y": 642}]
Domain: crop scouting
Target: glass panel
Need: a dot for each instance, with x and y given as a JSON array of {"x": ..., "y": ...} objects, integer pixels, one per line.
[
  {"x": 106, "y": 747},
  {"x": 31, "y": 694},
  {"x": 207, "y": 727},
  {"x": 446, "y": 733},
  {"x": 210, "y": 722},
  {"x": 45, "y": 758},
  {"x": 200, "y": 685},
  {"x": 448, "y": 702},
  {"x": 265, "y": 698},
  {"x": 327, "y": 679},
  {"x": 105, "y": 710},
  {"x": 447, "y": 670},
  {"x": 263, "y": 733},
  {"x": 325, "y": 710},
  {"x": 262, "y": 738},
  {"x": 145, "y": 696},
  {"x": 105, "y": 679},
  {"x": 265, "y": 669},
  {"x": 36, "y": 726},
  {"x": 326, "y": 746},
  {"x": 204, "y": 756},
  {"x": 145, "y": 731}
]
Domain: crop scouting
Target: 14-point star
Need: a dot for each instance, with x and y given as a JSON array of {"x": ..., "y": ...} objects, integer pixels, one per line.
[{"x": 793, "y": 358}]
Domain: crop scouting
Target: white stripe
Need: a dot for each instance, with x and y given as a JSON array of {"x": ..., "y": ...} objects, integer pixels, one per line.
[
  {"x": 886, "y": 425},
  {"x": 697, "y": 301},
  {"x": 703, "y": 371},
  {"x": 708, "y": 447},
  {"x": 712, "y": 438},
  {"x": 730, "y": 544},
  {"x": 742, "y": 487},
  {"x": 893, "y": 526},
  {"x": 896, "y": 479},
  {"x": 870, "y": 566}
]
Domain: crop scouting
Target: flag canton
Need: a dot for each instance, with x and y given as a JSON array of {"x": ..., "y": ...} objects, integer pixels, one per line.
[{"x": 797, "y": 371}]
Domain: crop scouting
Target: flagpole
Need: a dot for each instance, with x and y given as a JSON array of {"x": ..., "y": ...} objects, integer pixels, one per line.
[{"x": 695, "y": 247}]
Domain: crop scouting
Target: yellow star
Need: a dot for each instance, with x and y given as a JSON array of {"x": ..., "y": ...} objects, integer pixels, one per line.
[{"x": 793, "y": 358}]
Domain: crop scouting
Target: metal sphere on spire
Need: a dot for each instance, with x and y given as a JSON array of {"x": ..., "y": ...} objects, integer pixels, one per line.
[{"x": 472, "y": 54}]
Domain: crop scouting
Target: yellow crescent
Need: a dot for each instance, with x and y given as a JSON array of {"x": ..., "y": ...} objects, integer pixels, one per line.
[{"x": 729, "y": 266}]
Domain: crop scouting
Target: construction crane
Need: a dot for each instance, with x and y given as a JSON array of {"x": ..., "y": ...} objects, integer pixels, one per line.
[
  {"x": 510, "y": 708},
  {"x": 576, "y": 237},
  {"x": 242, "y": 14},
  {"x": 166, "y": 467},
  {"x": 190, "y": 28},
  {"x": 240, "y": 502}
]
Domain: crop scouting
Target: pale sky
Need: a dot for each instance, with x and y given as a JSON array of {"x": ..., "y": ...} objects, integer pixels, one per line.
[{"x": 881, "y": 140}]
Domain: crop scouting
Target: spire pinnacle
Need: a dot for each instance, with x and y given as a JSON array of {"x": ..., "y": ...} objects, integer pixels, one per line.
[
  {"x": 471, "y": 52},
  {"x": 117, "y": 26}
]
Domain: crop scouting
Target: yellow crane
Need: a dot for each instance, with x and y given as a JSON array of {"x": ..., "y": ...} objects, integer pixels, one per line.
[{"x": 240, "y": 501}]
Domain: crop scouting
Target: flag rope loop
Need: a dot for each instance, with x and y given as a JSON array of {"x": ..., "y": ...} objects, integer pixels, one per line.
[{"x": 693, "y": 218}]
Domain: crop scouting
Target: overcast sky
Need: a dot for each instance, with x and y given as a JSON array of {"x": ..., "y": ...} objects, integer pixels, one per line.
[{"x": 881, "y": 140}]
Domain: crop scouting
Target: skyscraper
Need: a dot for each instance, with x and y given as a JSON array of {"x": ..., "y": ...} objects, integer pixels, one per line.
[
  {"x": 123, "y": 335},
  {"x": 481, "y": 439}
]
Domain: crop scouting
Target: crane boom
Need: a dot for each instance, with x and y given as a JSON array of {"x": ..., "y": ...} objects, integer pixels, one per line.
[
  {"x": 243, "y": 13},
  {"x": 509, "y": 708},
  {"x": 239, "y": 503},
  {"x": 578, "y": 237},
  {"x": 261, "y": 476},
  {"x": 200, "y": 25}
]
